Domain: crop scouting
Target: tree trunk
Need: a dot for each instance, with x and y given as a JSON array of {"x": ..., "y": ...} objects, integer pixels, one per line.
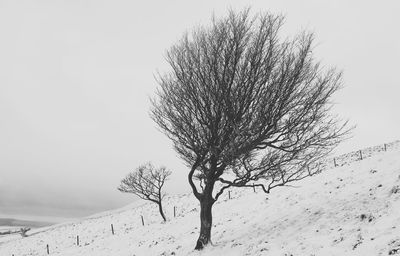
[
  {"x": 161, "y": 211},
  {"x": 206, "y": 204}
]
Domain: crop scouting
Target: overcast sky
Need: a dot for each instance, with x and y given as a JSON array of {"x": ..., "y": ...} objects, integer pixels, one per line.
[{"x": 75, "y": 77}]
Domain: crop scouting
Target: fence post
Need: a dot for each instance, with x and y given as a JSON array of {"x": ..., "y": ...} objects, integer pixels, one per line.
[
  {"x": 47, "y": 248},
  {"x": 174, "y": 211},
  {"x": 334, "y": 162},
  {"x": 77, "y": 240},
  {"x": 254, "y": 188},
  {"x": 229, "y": 194},
  {"x": 361, "y": 157},
  {"x": 142, "y": 220},
  {"x": 112, "y": 229},
  {"x": 384, "y": 145}
]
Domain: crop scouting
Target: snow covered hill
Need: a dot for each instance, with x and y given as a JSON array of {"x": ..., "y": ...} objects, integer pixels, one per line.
[{"x": 353, "y": 209}]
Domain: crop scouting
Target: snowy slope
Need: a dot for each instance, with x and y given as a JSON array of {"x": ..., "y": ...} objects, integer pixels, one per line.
[{"x": 353, "y": 209}]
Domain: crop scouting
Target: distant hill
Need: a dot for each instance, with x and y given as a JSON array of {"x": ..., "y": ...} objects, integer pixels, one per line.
[{"x": 24, "y": 223}]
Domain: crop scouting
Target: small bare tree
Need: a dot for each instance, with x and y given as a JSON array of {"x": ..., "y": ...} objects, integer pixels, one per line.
[
  {"x": 24, "y": 230},
  {"x": 245, "y": 108},
  {"x": 146, "y": 182}
]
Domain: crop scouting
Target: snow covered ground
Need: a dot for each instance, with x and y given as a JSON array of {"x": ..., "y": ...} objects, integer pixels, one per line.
[{"x": 353, "y": 209}]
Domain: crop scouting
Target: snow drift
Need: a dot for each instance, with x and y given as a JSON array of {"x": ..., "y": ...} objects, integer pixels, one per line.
[{"x": 353, "y": 209}]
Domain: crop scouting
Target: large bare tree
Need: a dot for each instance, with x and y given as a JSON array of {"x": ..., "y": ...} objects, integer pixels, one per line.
[
  {"x": 245, "y": 108},
  {"x": 147, "y": 182}
]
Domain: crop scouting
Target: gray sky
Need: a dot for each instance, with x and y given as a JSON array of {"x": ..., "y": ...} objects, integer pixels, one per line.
[{"x": 75, "y": 77}]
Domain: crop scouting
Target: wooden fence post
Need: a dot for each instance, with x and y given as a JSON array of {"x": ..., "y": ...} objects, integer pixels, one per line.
[
  {"x": 229, "y": 194},
  {"x": 334, "y": 162},
  {"x": 384, "y": 146},
  {"x": 112, "y": 229},
  {"x": 361, "y": 156},
  {"x": 142, "y": 220},
  {"x": 254, "y": 188},
  {"x": 77, "y": 240},
  {"x": 47, "y": 248},
  {"x": 174, "y": 211}
]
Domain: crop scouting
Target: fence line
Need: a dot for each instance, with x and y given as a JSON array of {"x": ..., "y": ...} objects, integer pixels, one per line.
[{"x": 361, "y": 154}]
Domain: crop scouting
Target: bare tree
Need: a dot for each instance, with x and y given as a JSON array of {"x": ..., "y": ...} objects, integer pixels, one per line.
[
  {"x": 23, "y": 231},
  {"x": 245, "y": 108},
  {"x": 147, "y": 182}
]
